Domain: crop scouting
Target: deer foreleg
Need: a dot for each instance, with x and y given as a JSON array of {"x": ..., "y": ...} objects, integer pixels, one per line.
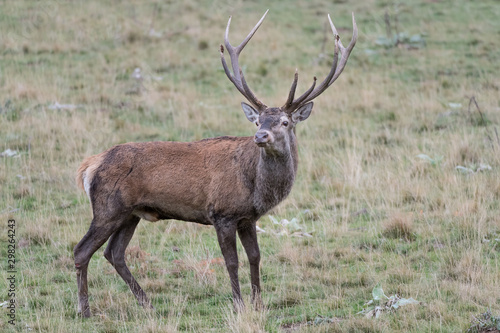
[
  {"x": 248, "y": 237},
  {"x": 226, "y": 235}
]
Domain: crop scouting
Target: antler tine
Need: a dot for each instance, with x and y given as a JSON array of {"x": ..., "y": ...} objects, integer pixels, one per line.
[
  {"x": 250, "y": 35},
  {"x": 291, "y": 95},
  {"x": 328, "y": 80},
  {"x": 345, "y": 51},
  {"x": 237, "y": 76},
  {"x": 228, "y": 72},
  {"x": 250, "y": 95},
  {"x": 335, "y": 70},
  {"x": 300, "y": 100}
]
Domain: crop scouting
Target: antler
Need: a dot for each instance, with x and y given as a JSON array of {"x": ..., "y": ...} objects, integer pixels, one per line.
[
  {"x": 237, "y": 77},
  {"x": 293, "y": 104}
]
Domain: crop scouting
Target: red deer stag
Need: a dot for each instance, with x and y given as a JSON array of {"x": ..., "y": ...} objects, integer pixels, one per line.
[{"x": 227, "y": 182}]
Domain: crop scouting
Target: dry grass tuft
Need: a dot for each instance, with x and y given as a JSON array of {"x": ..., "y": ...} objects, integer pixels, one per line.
[
  {"x": 39, "y": 235},
  {"x": 465, "y": 154},
  {"x": 246, "y": 321},
  {"x": 465, "y": 267},
  {"x": 22, "y": 192},
  {"x": 402, "y": 275},
  {"x": 134, "y": 254},
  {"x": 399, "y": 226},
  {"x": 289, "y": 255},
  {"x": 469, "y": 268}
]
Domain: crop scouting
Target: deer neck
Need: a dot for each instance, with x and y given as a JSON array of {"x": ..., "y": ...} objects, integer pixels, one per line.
[{"x": 275, "y": 176}]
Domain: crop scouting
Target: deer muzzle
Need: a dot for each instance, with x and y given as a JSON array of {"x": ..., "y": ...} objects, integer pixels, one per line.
[{"x": 262, "y": 137}]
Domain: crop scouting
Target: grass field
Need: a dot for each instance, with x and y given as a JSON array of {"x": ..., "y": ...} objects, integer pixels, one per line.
[{"x": 378, "y": 185}]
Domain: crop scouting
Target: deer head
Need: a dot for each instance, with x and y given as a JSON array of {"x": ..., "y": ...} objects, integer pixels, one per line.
[{"x": 276, "y": 125}]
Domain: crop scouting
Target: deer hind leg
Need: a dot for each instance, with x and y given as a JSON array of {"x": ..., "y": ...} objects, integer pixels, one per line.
[
  {"x": 115, "y": 253},
  {"x": 226, "y": 235},
  {"x": 95, "y": 237},
  {"x": 248, "y": 237}
]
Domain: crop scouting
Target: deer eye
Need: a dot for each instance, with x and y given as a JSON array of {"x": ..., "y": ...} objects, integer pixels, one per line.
[
  {"x": 257, "y": 123},
  {"x": 285, "y": 123}
]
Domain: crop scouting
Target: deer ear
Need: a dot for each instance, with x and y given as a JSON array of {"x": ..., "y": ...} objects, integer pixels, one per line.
[
  {"x": 302, "y": 113},
  {"x": 250, "y": 112}
]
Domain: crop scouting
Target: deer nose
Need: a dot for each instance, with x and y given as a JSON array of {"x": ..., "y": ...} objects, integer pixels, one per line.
[{"x": 261, "y": 137}]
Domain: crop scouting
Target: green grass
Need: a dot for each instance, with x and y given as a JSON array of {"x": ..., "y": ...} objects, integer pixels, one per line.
[{"x": 377, "y": 212}]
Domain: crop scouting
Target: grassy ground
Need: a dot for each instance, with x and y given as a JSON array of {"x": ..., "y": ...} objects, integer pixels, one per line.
[{"x": 378, "y": 213}]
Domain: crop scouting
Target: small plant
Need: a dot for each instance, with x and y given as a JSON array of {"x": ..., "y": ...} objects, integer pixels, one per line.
[
  {"x": 289, "y": 228},
  {"x": 397, "y": 38},
  {"x": 433, "y": 161},
  {"x": 485, "y": 322},
  {"x": 9, "y": 153},
  {"x": 473, "y": 168},
  {"x": 416, "y": 41},
  {"x": 380, "y": 303}
]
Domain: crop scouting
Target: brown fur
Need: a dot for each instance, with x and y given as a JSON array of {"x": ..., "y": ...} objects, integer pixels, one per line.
[{"x": 187, "y": 181}]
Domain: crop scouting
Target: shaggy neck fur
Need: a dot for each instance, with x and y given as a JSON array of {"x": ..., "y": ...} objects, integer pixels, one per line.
[{"x": 275, "y": 176}]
